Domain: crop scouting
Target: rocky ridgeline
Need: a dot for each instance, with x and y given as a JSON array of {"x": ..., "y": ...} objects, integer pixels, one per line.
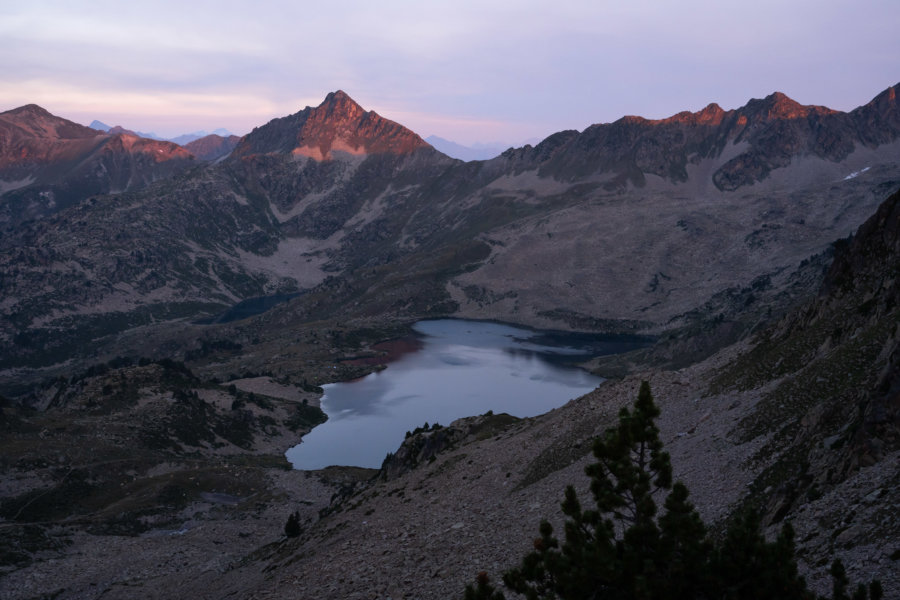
[
  {"x": 764, "y": 135},
  {"x": 423, "y": 445}
]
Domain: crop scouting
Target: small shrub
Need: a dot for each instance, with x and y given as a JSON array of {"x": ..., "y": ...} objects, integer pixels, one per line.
[{"x": 292, "y": 527}]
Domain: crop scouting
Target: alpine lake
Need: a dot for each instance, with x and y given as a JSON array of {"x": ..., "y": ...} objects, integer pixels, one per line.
[{"x": 451, "y": 369}]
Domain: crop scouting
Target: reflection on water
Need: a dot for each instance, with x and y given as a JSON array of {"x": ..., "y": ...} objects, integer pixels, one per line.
[{"x": 463, "y": 368}]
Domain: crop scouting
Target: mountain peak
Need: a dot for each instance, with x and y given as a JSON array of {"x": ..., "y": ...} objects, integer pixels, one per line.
[
  {"x": 340, "y": 105},
  {"x": 779, "y": 105},
  {"x": 886, "y": 99},
  {"x": 782, "y": 103},
  {"x": 338, "y": 96},
  {"x": 337, "y": 124},
  {"x": 99, "y": 126},
  {"x": 31, "y": 110}
]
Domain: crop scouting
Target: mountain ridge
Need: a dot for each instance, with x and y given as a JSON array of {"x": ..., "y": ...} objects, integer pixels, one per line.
[
  {"x": 776, "y": 130},
  {"x": 535, "y": 236}
]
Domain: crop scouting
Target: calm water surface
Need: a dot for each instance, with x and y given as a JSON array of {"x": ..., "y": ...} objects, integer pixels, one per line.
[{"x": 463, "y": 368}]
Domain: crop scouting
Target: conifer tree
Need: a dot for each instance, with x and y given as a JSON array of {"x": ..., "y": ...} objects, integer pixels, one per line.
[
  {"x": 621, "y": 549},
  {"x": 747, "y": 567},
  {"x": 292, "y": 527},
  {"x": 683, "y": 548}
]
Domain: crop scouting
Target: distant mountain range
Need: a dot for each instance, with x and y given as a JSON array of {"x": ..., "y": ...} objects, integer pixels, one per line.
[
  {"x": 181, "y": 140},
  {"x": 474, "y": 152}
]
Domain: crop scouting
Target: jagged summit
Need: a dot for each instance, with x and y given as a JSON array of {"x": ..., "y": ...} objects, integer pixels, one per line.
[
  {"x": 340, "y": 103},
  {"x": 779, "y": 106},
  {"x": 338, "y": 124},
  {"x": 712, "y": 114}
]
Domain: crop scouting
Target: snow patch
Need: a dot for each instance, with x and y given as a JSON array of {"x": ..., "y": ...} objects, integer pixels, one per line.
[
  {"x": 856, "y": 173},
  {"x": 8, "y": 186}
]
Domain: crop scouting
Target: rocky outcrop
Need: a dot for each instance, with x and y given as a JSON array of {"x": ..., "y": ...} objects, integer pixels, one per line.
[
  {"x": 832, "y": 408},
  {"x": 865, "y": 276},
  {"x": 422, "y": 446}
]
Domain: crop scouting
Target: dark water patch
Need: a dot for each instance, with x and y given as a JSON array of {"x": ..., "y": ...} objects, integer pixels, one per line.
[{"x": 249, "y": 308}]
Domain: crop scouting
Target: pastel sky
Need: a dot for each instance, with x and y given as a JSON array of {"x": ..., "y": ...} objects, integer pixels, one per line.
[{"x": 468, "y": 71}]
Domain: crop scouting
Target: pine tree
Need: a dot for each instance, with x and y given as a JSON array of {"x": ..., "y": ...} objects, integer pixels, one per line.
[
  {"x": 683, "y": 548},
  {"x": 747, "y": 567},
  {"x": 840, "y": 582},
  {"x": 292, "y": 527},
  {"x": 620, "y": 549}
]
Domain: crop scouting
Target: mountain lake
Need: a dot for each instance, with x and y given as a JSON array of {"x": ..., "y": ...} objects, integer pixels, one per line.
[{"x": 452, "y": 369}]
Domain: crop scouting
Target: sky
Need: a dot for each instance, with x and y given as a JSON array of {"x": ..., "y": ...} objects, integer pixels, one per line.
[{"x": 468, "y": 71}]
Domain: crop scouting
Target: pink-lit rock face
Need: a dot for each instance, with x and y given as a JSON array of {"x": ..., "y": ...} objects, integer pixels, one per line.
[
  {"x": 31, "y": 137},
  {"x": 49, "y": 162},
  {"x": 337, "y": 125}
]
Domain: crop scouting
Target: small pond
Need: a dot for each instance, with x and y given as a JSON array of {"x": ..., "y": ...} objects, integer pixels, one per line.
[
  {"x": 454, "y": 369},
  {"x": 249, "y": 308}
]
